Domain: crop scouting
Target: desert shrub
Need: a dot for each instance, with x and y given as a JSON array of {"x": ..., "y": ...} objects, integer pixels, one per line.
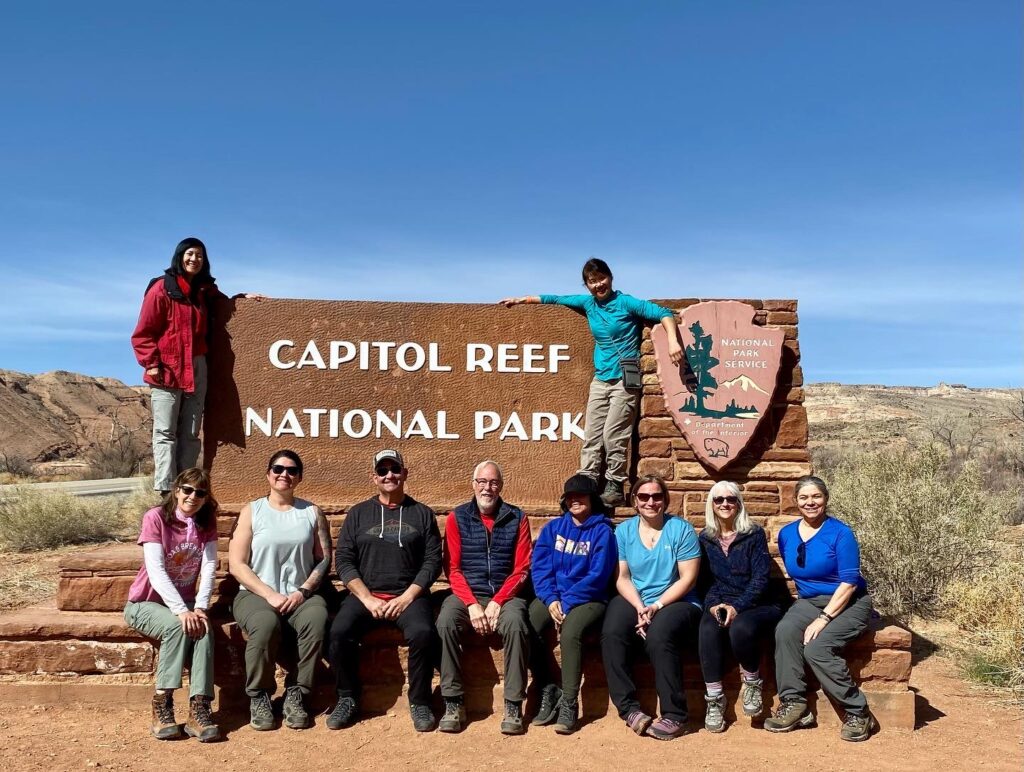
[
  {"x": 125, "y": 455},
  {"x": 920, "y": 524},
  {"x": 989, "y": 610},
  {"x": 15, "y": 466},
  {"x": 34, "y": 520}
]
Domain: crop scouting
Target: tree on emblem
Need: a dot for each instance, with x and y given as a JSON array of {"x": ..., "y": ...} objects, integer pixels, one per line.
[{"x": 701, "y": 361}]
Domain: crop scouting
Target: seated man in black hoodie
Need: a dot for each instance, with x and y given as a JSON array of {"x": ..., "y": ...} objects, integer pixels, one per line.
[{"x": 388, "y": 555}]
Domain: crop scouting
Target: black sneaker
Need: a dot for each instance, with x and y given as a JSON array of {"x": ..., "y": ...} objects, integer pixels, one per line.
[
  {"x": 261, "y": 712},
  {"x": 548, "y": 711},
  {"x": 454, "y": 715},
  {"x": 568, "y": 716},
  {"x": 295, "y": 714},
  {"x": 512, "y": 723},
  {"x": 344, "y": 713},
  {"x": 422, "y": 718}
]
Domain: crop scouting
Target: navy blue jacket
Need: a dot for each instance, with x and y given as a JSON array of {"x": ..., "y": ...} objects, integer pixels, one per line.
[{"x": 741, "y": 578}]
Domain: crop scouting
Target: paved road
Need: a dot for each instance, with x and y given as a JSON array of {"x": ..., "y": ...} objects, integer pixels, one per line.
[{"x": 84, "y": 487}]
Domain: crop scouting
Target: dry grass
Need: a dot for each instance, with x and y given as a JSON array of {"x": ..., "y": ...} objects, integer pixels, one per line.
[
  {"x": 27, "y": 579},
  {"x": 37, "y": 520}
]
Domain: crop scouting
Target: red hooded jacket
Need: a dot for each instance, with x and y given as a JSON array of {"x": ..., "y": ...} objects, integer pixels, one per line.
[{"x": 172, "y": 330}]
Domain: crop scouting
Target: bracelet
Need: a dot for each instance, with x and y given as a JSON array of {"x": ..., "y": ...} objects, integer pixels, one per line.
[
  {"x": 659, "y": 605},
  {"x": 825, "y": 616},
  {"x": 306, "y": 594}
]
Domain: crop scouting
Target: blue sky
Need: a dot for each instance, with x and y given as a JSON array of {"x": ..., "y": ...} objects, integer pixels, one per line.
[{"x": 861, "y": 157}]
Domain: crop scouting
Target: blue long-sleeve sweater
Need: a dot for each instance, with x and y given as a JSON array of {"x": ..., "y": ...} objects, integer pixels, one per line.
[{"x": 574, "y": 563}]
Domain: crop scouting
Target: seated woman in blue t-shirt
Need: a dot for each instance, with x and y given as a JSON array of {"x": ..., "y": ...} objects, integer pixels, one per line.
[
  {"x": 822, "y": 557},
  {"x": 616, "y": 321},
  {"x": 657, "y": 604}
]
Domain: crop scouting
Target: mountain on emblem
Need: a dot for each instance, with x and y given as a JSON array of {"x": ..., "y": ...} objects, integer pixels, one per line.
[{"x": 719, "y": 394}]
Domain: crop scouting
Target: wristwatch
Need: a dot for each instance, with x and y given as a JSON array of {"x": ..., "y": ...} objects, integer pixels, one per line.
[{"x": 306, "y": 594}]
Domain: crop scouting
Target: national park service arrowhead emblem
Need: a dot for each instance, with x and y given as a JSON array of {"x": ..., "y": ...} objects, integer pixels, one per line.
[{"x": 719, "y": 394}]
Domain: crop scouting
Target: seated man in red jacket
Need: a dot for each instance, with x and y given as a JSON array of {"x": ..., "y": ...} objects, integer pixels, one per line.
[{"x": 487, "y": 558}]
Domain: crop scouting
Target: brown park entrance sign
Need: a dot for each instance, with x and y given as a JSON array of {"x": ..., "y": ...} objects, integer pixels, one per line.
[
  {"x": 449, "y": 385},
  {"x": 721, "y": 393}
]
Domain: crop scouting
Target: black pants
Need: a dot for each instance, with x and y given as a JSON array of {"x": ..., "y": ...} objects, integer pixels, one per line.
[
  {"x": 417, "y": 626},
  {"x": 667, "y": 636},
  {"x": 745, "y": 638}
]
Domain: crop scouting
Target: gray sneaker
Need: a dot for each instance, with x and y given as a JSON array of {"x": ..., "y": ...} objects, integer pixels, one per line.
[
  {"x": 788, "y": 716},
  {"x": 753, "y": 702},
  {"x": 568, "y": 716},
  {"x": 454, "y": 717},
  {"x": 714, "y": 716},
  {"x": 294, "y": 709},
  {"x": 857, "y": 728},
  {"x": 261, "y": 712},
  {"x": 512, "y": 723},
  {"x": 343, "y": 714}
]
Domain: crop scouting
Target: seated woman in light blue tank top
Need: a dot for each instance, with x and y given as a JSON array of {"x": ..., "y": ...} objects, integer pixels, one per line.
[{"x": 280, "y": 553}]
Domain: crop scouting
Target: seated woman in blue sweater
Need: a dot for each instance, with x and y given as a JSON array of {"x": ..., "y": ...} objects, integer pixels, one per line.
[
  {"x": 574, "y": 561},
  {"x": 822, "y": 557},
  {"x": 738, "y": 614}
]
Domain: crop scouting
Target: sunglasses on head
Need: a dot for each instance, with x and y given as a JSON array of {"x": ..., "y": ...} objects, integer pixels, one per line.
[
  {"x": 291, "y": 471},
  {"x": 724, "y": 499},
  {"x": 801, "y": 554},
  {"x": 645, "y": 497},
  {"x": 189, "y": 490},
  {"x": 384, "y": 469}
]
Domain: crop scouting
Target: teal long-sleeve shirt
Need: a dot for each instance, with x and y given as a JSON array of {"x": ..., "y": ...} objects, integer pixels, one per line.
[{"x": 616, "y": 325}]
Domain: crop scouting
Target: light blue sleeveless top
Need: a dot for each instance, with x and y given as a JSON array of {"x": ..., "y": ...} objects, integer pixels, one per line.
[{"x": 282, "y": 544}]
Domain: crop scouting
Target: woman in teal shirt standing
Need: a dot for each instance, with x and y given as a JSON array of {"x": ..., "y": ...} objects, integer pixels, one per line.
[{"x": 616, "y": 321}]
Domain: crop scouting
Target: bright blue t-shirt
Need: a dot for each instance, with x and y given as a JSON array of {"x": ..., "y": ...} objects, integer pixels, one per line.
[
  {"x": 654, "y": 571},
  {"x": 616, "y": 325},
  {"x": 832, "y": 556}
]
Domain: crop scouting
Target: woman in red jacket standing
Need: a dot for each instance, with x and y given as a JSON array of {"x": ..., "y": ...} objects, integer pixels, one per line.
[{"x": 170, "y": 344}]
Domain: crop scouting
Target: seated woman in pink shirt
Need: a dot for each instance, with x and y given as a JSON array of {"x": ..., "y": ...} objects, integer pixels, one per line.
[{"x": 179, "y": 546}]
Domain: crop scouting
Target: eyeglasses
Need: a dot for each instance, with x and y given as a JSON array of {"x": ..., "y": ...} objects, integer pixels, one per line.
[
  {"x": 488, "y": 483},
  {"x": 801, "y": 554},
  {"x": 645, "y": 497},
  {"x": 385, "y": 469},
  {"x": 291, "y": 471},
  {"x": 725, "y": 499},
  {"x": 189, "y": 490}
]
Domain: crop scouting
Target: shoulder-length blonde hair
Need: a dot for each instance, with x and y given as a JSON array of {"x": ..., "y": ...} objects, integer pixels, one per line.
[{"x": 725, "y": 488}]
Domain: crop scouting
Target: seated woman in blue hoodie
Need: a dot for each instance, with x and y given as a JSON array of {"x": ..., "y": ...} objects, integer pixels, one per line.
[
  {"x": 573, "y": 566},
  {"x": 739, "y": 616}
]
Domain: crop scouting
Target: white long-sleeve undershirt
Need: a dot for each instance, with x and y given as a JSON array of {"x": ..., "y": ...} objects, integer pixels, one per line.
[{"x": 153, "y": 554}]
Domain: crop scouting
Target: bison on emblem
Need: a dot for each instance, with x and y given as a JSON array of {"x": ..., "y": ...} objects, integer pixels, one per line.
[{"x": 716, "y": 447}]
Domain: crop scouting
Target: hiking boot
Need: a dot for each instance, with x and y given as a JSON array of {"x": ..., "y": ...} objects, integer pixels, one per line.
[
  {"x": 512, "y": 723},
  {"x": 612, "y": 495},
  {"x": 294, "y": 709},
  {"x": 568, "y": 716},
  {"x": 422, "y": 718},
  {"x": 638, "y": 721},
  {"x": 857, "y": 728},
  {"x": 200, "y": 720},
  {"x": 548, "y": 711},
  {"x": 714, "y": 716},
  {"x": 788, "y": 716},
  {"x": 454, "y": 717},
  {"x": 261, "y": 712},
  {"x": 753, "y": 703},
  {"x": 344, "y": 713},
  {"x": 164, "y": 726},
  {"x": 666, "y": 729}
]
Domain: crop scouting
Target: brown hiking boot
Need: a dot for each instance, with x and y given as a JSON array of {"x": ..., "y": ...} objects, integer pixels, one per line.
[
  {"x": 164, "y": 726},
  {"x": 788, "y": 716},
  {"x": 200, "y": 720},
  {"x": 857, "y": 728}
]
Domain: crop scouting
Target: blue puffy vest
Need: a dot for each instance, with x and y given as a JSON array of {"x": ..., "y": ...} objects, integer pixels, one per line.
[{"x": 487, "y": 559}]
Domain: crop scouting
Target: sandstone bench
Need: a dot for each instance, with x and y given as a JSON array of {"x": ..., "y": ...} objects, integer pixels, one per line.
[{"x": 79, "y": 648}]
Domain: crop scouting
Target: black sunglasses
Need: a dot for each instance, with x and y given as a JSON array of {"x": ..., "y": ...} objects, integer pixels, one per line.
[
  {"x": 291, "y": 471},
  {"x": 384, "y": 469},
  {"x": 648, "y": 496},
  {"x": 188, "y": 490},
  {"x": 722, "y": 499},
  {"x": 801, "y": 554}
]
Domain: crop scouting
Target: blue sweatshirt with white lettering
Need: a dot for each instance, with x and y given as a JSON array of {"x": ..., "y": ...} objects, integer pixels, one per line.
[{"x": 574, "y": 563}]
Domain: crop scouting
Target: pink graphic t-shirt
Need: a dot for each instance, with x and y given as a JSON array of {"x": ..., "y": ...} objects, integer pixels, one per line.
[{"x": 182, "y": 557}]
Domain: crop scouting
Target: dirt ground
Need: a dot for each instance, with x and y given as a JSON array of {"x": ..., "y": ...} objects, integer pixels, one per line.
[{"x": 958, "y": 728}]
